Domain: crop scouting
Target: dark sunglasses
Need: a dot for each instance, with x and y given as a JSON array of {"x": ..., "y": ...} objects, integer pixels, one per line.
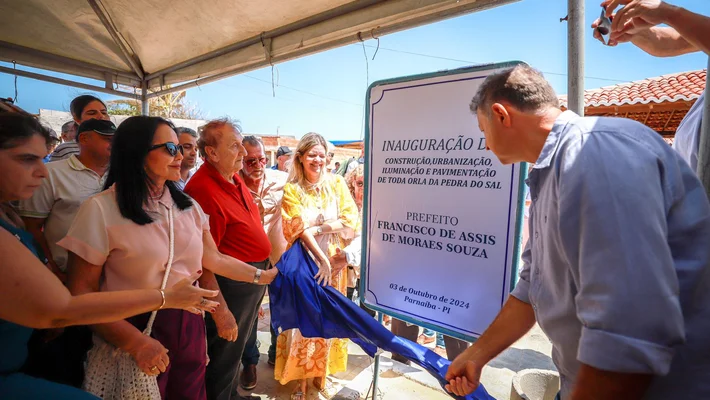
[
  {"x": 252, "y": 161},
  {"x": 171, "y": 147}
]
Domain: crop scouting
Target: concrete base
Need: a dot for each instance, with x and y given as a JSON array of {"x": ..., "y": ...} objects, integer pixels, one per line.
[{"x": 535, "y": 384}]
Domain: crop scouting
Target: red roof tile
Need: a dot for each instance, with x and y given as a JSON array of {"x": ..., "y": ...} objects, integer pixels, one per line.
[{"x": 682, "y": 86}]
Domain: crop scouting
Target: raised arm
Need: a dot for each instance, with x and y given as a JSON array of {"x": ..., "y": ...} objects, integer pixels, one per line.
[
  {"x": 637, "y": 22},
  {"x": 25, "y": 278}
]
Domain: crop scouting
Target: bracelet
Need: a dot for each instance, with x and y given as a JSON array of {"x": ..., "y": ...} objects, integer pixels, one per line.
[
  {"x": 162, "y": 294},
  {"x": 257, "y": 276}
]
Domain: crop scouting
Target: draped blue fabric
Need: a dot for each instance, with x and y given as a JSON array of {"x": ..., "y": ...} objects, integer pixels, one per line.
[{"x": 297, "y": 301}]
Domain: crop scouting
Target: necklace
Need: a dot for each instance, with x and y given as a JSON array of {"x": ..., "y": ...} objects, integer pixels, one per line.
[{"x": 150, "y": 196}]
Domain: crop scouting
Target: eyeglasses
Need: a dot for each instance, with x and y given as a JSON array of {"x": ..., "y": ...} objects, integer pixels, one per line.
[
  {"x": 171, "y": 147},
  {"x": 252, "y": 161}
]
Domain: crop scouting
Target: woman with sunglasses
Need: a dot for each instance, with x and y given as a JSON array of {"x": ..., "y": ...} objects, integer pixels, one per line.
[
  {"x": 120, "y": 240},
  {"x": 30, "y": 295}
]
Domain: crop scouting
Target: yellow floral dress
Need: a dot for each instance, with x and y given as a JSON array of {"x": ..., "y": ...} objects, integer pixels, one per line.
[{"x": 298, "y": 357}]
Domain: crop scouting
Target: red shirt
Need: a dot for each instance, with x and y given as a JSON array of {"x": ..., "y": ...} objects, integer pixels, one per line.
[{"x": 235, "y": 222}]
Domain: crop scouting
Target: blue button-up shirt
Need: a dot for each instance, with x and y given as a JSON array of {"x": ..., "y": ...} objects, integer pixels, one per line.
[{"x": 617, "y": 267}]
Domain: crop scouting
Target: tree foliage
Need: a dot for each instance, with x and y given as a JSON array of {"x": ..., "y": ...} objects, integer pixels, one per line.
[{"x": 172, "y": 105}]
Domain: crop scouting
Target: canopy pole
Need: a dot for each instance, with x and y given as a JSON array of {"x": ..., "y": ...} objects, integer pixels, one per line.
[
  {"x": 127, "y": 55},
  {"x": 145, "y": 109},
  {"x": 704, "y": 144},
  {"x": 65, "y": 82},
  {"x": 575, "y": 56}
]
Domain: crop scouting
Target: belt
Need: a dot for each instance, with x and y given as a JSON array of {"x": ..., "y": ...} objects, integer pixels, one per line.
[{"x": 266, "y": 264}]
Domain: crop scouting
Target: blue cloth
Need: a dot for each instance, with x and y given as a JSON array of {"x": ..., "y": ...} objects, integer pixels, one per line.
[
  {"x": 13, "y": 352},
  {"x": 617, "y": 266},
  {"x": 297, "y": 301}
]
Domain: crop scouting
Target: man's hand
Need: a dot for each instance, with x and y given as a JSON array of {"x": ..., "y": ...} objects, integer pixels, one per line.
[
  {"x": 268, "y": 276},
  {"x": 227, "y": 327},
  {"x": 635, "y": 27},
  {"x": 635, "y": 15},
  {"x": 463, "y": 376},
  {"x": 338, "y": 261}
]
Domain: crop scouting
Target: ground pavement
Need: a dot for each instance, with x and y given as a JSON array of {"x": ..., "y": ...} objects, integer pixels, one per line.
[{"x": 399, "y": 381}]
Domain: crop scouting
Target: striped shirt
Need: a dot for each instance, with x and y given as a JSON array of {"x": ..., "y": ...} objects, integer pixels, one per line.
[{"x": 64, "y": 150}]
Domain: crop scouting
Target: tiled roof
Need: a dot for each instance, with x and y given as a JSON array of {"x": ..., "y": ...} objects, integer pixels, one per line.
[{"x": 682, "y": 86}]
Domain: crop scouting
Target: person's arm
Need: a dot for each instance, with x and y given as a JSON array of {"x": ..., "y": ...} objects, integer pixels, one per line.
[
  {"x": 513, "y": 321},
  {"x": 294, "y": 228},
  {"x": 223, "y": 318},
  {"x": 637, "y": 20},
  {"x": 34, "y": 212},
  {"x": 34, "y": 226},
  {"x": 230, "y": 267},
  {"x": 149, "y": 354},
  {"x": 694, "y": 28},
  {"x": 593, "y": 383},
  {"x": 661, "y": 42},
  {"x": 32, "y": 296}
]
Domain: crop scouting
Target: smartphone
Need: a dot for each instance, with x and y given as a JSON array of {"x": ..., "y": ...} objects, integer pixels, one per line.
[{"x": 604, "y": 23}]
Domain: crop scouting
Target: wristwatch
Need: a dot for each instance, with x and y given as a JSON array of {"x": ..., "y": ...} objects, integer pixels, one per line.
[
  {"x": 257, "y": 275},
  {"x": 319, "y": 231}
]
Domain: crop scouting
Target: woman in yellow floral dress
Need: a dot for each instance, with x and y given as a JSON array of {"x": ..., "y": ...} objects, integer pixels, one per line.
[{"x": 318, "y": 209}]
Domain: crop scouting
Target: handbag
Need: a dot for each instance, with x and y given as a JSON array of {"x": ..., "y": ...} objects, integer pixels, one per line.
[{"x": 111, "y": 373}]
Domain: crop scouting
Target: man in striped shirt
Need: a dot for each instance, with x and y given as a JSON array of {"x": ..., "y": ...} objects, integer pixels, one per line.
[{"x": 69, "y": 145}]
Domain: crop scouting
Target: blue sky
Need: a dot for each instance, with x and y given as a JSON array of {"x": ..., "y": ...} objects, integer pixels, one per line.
[{"x": 325, "y": 92}]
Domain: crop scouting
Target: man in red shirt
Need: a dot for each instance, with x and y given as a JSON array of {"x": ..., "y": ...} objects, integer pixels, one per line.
[{"x": 235, "y": 224}]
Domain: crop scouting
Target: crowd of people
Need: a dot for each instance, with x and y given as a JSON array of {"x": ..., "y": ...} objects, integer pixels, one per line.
[
  {"x": 120, "y": 209},
  {"x": 157, "y": 242}
]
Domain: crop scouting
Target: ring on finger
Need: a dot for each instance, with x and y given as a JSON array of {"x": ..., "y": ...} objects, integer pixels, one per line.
[
  {"x": 154, "y": 368},
  {"x": 203, "y": 302}
]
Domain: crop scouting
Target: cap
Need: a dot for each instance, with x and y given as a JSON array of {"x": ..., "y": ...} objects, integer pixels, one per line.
[
  {"x": 282, "y": 151},
  {"x": 100, "y": 126},
  {"x": 53, "y": 135}
]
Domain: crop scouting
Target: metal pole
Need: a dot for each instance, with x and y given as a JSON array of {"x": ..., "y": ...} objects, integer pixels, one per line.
[
  {"x": 376, "y": 372},
  {"x": 66, "y": 82},
  {"x": 575, "y": 56},
  {"x": 704, "y": 143},
  {"x": 144, "y": 98}
]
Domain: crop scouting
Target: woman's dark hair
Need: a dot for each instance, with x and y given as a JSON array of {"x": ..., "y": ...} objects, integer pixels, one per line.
[
  {"x": 79, "y": 103},
  {"x": 17, "y": 128},
  {"x": 129, "y": 149}
]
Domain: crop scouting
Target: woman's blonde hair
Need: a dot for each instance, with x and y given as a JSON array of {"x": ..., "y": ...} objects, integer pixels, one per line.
[{"x": 296, "y": 174}]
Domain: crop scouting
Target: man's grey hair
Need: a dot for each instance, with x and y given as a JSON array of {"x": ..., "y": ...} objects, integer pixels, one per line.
[
  {"x": 522, "y": 86},
  {"x": 69, "y": 126},
  {"x": 253, "y": 141},
  {"x": 183, "y": 129},
  {"x": 209, "y": 133}
]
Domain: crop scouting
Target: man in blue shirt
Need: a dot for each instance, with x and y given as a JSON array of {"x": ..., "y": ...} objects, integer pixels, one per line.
[{"x": 617, "y": 268}]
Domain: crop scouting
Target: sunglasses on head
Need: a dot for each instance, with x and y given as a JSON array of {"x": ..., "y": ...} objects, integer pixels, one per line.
[
  {"x": 171, "y": 147},
  {"x": 253, "y": 161}
]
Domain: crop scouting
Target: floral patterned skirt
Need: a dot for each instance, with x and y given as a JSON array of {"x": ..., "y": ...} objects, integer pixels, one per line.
[{"x": 302, "y": 358}]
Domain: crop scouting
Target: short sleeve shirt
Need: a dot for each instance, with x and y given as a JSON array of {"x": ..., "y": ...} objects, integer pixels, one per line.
[
  {"x": 135, "y": 256},
  {"x": 68, "y": 184},
  {"x": 617, "y": 265},
  {"x": 687, "y": 137},
  {"x": 235, "y": 222}
]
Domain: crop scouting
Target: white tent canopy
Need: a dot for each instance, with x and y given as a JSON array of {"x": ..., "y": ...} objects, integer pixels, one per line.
[{"x": 185, "y": 43}]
